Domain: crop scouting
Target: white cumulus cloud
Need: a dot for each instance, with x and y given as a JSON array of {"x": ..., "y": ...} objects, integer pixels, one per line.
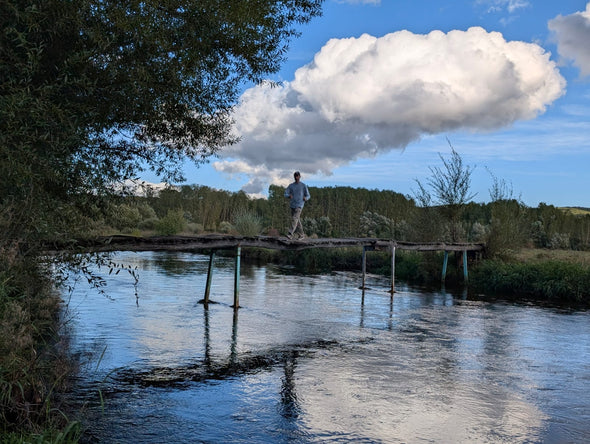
[
  {"x": 364, "y": 96},
  {"x": 573, "y": 38}
]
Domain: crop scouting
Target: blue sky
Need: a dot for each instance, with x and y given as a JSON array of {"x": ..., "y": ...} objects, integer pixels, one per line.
[{"x": 372, "y": 91}]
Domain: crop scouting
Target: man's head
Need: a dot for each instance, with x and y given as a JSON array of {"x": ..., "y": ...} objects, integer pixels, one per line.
[{"x": 297, "y": 176}]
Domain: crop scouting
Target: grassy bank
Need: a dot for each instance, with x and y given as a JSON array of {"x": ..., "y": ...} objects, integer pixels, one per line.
[
  {"x": 34, "y": 366},
  {"x": 553, "y": 276},
  {"x": 549, "y": 281}
]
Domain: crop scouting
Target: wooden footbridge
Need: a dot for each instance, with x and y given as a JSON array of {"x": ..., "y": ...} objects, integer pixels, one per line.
[{"x": 214, "y": 242}]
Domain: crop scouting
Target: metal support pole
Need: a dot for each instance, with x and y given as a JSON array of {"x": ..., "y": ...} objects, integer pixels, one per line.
[
  {"x": 392, "y": 269},
  {"x": 209, "y": 276},
  {"x": 444, "y": 270},
  {"x": 465, "y": 266},
  {"x": 237, "y": 279},
  {"x": 364, "y": 267}
]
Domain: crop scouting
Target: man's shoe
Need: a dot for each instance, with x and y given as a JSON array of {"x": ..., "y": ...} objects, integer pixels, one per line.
[
  {"x": 301, "y": 237},
  {"x": 289, "y": 236}
]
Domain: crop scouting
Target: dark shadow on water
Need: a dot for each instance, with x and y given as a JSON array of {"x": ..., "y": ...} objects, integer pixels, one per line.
[
  {"x": 206, "y": 369},
  {"x": 236, "y": 364}
]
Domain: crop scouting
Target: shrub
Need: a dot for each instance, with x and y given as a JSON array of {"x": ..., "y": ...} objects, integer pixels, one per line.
[
  {"x": 508, "y": 230},
  {"x": 226, "y": 227},
  {"x": 148, "y": 224},
  {"x": 172, "y": 223},
  {"x": 194, "y": 227},
  {"x": 247, "y": 224},
  {"x": 146, "y": 211},
  {"x": 310, "y": 225},
  {"x": 560, "y": 241},
  {"x": 376, "y": 225},
  {"x": 32, "y": 365},
  {"x": 324, "y": 227},
  {"x": 479, "y": 232},
  {"x": 409, "y": 266},
  {"x": 124, "y": 217}
]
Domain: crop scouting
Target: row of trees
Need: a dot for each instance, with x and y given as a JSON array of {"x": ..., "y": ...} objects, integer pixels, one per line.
[
  {"x": 442, "y": 209},
  {"x": 504, "y": 224}
]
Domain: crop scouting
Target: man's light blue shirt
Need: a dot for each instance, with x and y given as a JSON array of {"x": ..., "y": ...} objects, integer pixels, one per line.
[{"x": 297, "y": 191}]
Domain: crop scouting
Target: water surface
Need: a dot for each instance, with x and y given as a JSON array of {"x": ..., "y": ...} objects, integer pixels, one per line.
[{"x": 315, "y": 359}]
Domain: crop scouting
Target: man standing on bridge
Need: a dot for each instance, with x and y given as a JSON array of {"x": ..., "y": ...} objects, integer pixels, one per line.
[{"x": 298, "y": 194}]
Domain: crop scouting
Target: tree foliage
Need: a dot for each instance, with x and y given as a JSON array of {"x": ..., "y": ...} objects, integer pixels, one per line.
[{"x": 94, "y": 91}]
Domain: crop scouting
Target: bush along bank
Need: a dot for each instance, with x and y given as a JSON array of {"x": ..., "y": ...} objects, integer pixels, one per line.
[{"x": 551, "y": 281}]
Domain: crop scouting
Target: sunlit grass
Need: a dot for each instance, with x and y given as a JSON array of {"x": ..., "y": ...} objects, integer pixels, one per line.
[
  {"x": 576, "y": 211},
  {"x": 535, "y": 255}
]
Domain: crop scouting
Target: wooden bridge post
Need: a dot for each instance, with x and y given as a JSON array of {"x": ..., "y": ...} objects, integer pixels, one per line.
[
  {"x": 237, "y": 279},
  {"x": 445, "y": 262},
  {"x": 209, "y": 275}
]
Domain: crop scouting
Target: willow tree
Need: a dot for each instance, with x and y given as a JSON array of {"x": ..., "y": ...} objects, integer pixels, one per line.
[{"x": 94, "y": 91}]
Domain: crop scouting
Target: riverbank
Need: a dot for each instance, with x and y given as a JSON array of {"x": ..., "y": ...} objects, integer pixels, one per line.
[{"x": 559, "y": 277}]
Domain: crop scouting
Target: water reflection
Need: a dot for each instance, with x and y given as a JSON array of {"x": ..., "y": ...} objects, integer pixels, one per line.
[
  {"x": 289, "y": 403},
  {"x": 234, "y": 338},
  {"x": 314, "y": 359},
  {"x": 207, "y": 359}
]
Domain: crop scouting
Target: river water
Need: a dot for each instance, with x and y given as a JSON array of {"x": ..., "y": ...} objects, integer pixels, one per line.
[{"x": 313, "y": 359}]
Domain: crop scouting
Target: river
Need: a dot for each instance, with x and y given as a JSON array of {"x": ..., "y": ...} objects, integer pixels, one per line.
[{"x": 313, "y": 359}]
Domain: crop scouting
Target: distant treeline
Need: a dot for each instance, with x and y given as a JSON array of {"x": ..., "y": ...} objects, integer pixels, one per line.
[{"x": 350, "y": 212}]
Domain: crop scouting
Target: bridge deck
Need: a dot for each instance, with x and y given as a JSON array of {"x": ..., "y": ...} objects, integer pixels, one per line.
[
  {"x": 213, "y": 242},
  {"x": 219, "y": 242}
]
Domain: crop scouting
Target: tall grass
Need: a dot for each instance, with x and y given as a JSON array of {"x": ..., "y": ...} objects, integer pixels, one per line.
[
  {"x": 247, "y": 223},
  {"x": 34, "y": 366},
  {"x": 552, "y": 281}
]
